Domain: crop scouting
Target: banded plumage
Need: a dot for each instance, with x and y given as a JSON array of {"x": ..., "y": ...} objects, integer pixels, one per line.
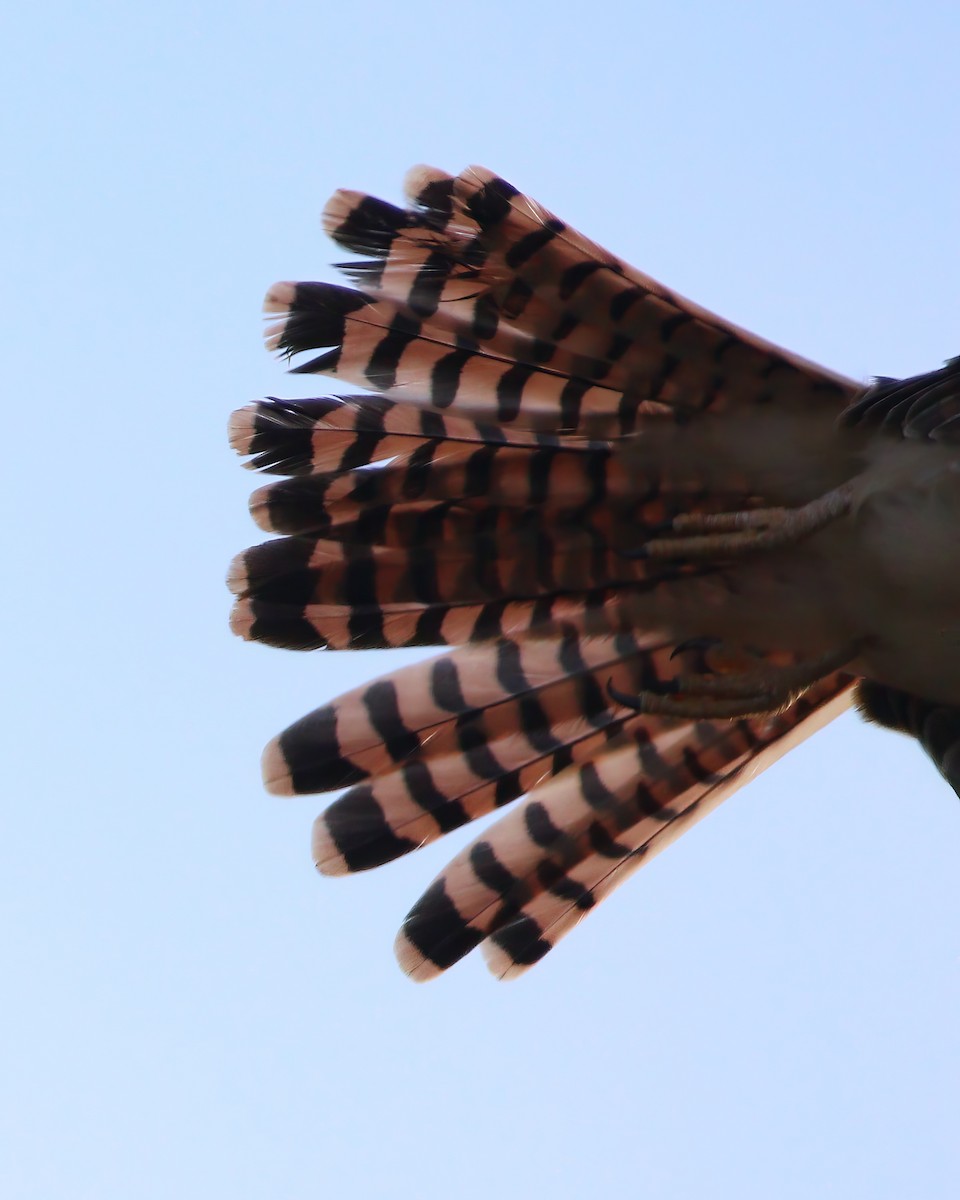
[{"x": 650, "y": 537}]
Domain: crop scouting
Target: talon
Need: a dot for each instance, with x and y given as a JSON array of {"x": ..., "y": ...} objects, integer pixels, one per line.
[
  {"x": 695, "y": 643},
  {"x": 635, "y": 701}
]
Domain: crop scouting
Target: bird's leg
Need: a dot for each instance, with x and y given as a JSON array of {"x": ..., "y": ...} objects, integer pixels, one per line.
[
  {"x": 747, "y": 693},
  {"x": 733, "y": 534}
]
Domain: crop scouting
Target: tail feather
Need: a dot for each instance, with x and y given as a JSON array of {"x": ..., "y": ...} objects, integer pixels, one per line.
[
  {"x": 366, "y": 225},
  {"x": 690, "y": 357},
  {"x": 525, "y": 938},
  {"x": 428, "y": 265},
  {"x": 482, "y": 759},
  {"x": 298, "y": 626},
  {"x": 355, "y": 457},
  {"x": 545, "y": 410},
  {"x": 512, "y": 265},
  {"x": 336, "y": 572},
  {"x": 588, "y": 811},
  {"x": 342, "y": 433},
  {"x": 374, "y": 728},
  {"x": 425, "y": 257},
  {"x": 486, "y": 475},
  {"x": 536, "y": 873},
  {"x": 306, "y": 592},
  {"x": 441, "y": 364}
]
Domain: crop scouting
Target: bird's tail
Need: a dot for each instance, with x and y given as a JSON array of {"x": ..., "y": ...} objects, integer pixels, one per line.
[{"x": 490, "y": 498}]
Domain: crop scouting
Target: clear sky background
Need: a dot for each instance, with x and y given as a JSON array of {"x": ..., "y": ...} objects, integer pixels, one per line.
[{"x": 771, "y": 1008}]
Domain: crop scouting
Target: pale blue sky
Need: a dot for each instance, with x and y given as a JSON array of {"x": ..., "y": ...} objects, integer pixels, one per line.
[{"x": 771, "y": 1008}]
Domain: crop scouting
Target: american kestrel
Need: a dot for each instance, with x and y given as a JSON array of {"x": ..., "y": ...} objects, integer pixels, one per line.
[{"x": 664, "y": 549}]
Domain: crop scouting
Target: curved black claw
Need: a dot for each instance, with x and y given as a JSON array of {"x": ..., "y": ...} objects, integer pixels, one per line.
[{"x": 696, "y": 643}]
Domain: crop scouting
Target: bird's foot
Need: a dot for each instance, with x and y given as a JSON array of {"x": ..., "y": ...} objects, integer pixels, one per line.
[
  {"x": 721, "y": 692},
  {"x": 749, "y": 531}
]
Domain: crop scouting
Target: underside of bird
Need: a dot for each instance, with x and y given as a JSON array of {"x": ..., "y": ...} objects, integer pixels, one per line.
[{"x": 651, "y": 537}]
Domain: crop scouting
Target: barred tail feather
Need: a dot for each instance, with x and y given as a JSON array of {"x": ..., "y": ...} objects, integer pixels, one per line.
[
  {"x": 440, "y": 363},
  {"x": 341, "y": 433},
  {"x": 519, "y": 888},
  {"x": 502, "y": 267},
  {"x": 525, "y": 938},
  {"x": 529, "y": 436},
  {"x": 474, "y": 532},
  {"x": 478, "y": 695}
]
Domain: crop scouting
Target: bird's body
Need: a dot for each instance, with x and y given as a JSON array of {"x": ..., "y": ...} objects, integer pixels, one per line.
[
  {"x": 902, "y": 578},
  {"x": 666, "y": 549}
]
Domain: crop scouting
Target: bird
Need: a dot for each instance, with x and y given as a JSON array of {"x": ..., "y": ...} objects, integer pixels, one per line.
[{"x": 657, "y": 552}]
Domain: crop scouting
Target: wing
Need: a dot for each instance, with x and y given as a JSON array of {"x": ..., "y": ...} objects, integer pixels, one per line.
[
  {"x": 924, "y": 406},
  {"x": 935, "y": 726}
]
